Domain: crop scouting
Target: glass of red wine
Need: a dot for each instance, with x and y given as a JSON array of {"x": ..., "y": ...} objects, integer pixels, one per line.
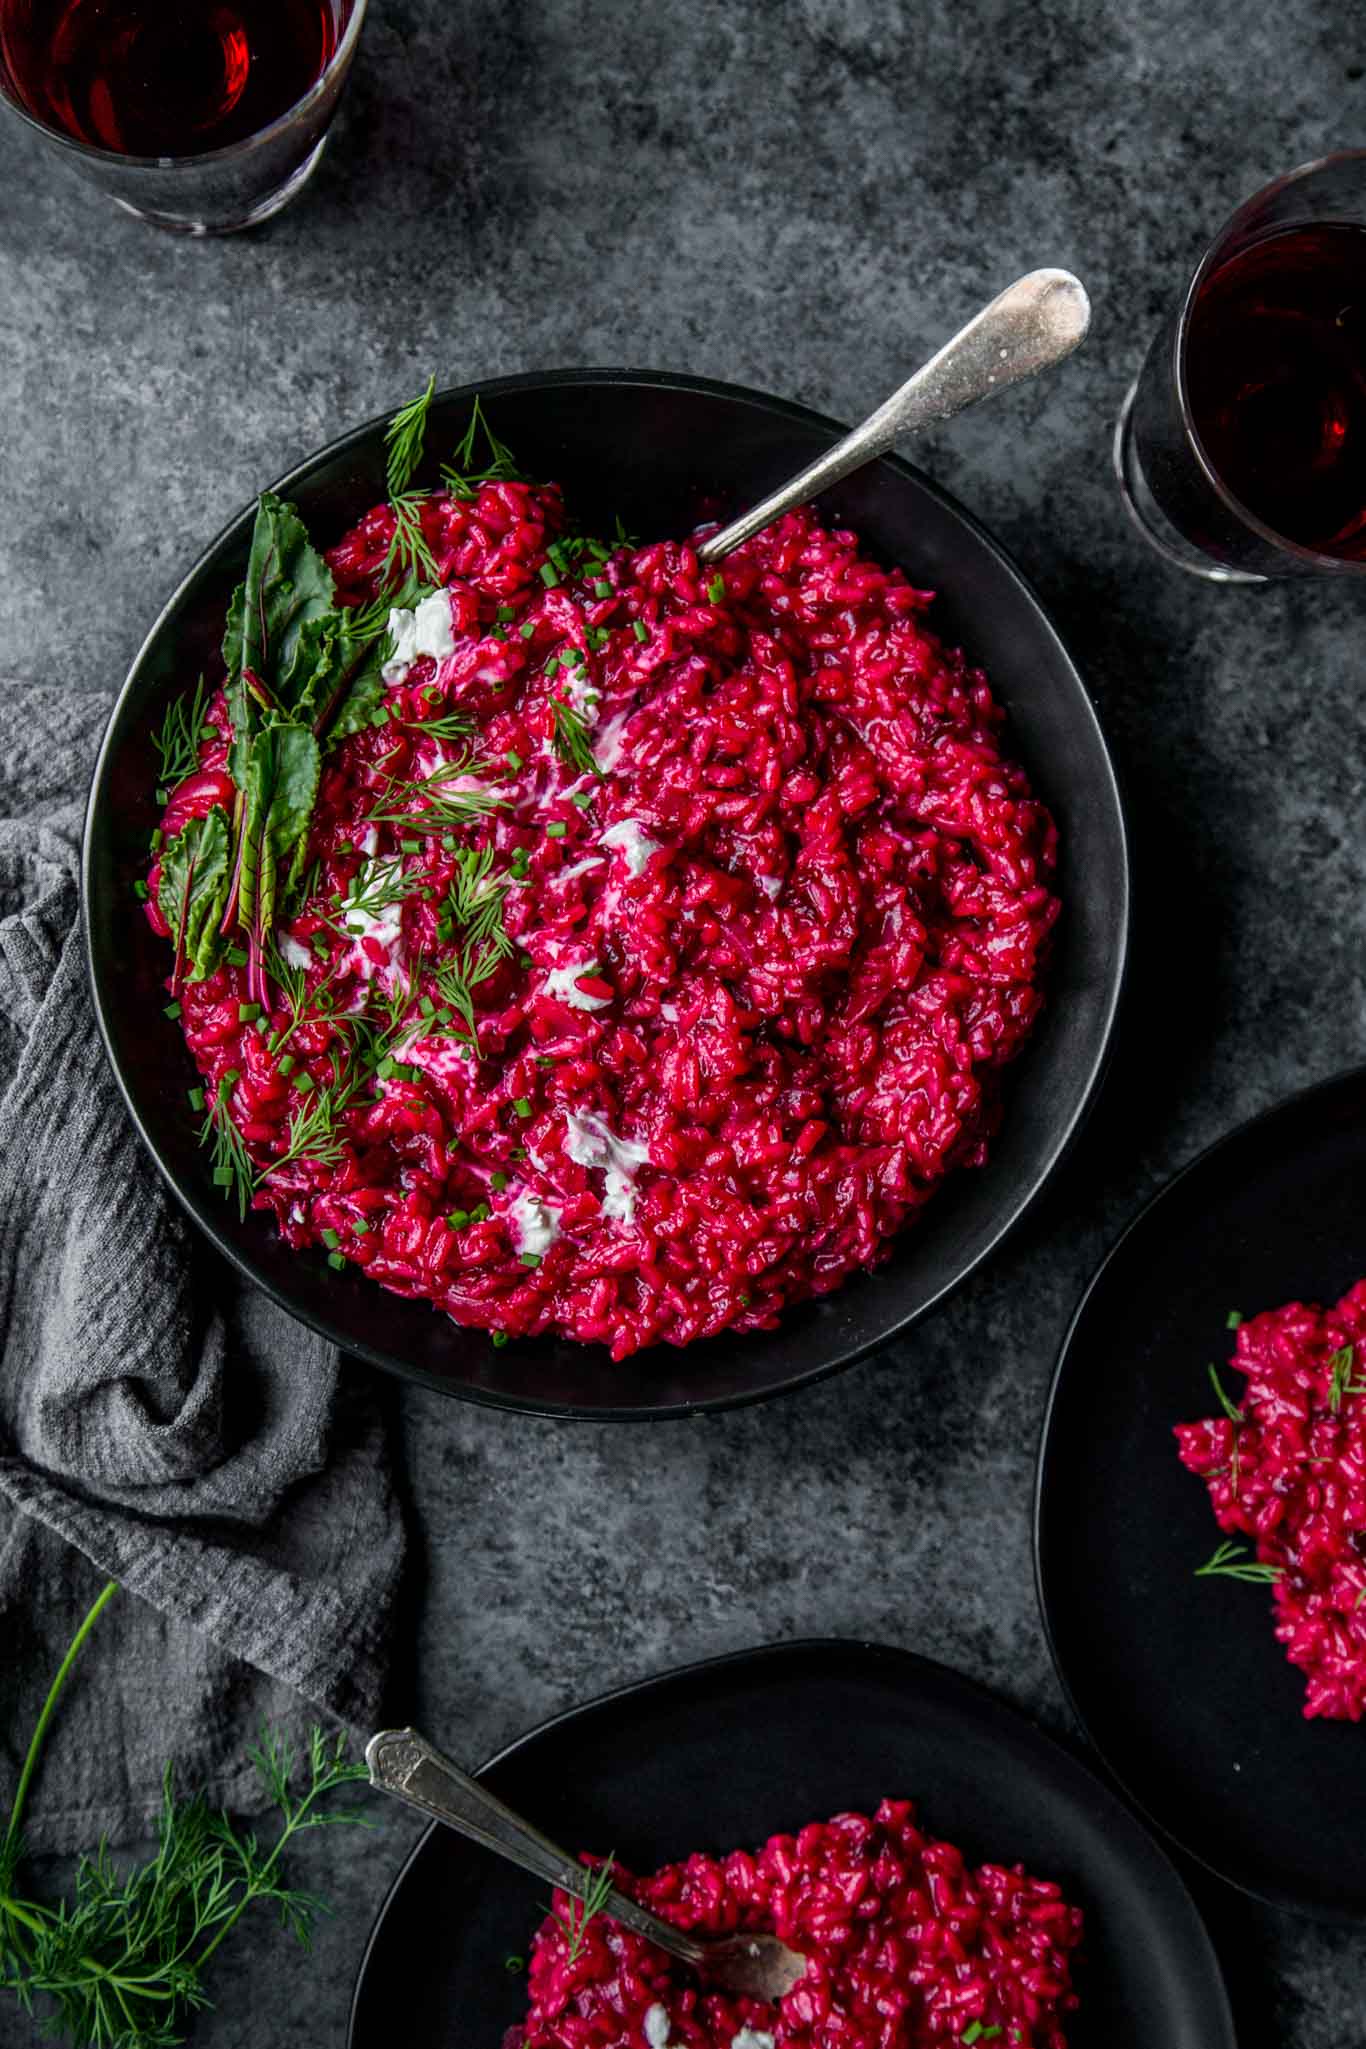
[
  {"x": 1241, "y": 449},
  {"x": 203, "y": 116}
]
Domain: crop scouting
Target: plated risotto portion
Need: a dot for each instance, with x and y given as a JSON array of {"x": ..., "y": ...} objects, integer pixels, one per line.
[{"x": 581, "y": 938}]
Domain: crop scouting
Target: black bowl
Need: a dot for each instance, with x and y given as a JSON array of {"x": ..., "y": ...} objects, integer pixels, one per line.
[{"x": 663, "y": 451}]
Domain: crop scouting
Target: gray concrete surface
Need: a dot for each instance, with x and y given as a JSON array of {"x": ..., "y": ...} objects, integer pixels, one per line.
[{"x": 804, "y": 196}]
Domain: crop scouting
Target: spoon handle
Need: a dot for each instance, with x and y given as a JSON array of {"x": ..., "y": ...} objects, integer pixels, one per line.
[
  {"x": 403, "y": 1763},
  {"x": 1033, "y": 324}
]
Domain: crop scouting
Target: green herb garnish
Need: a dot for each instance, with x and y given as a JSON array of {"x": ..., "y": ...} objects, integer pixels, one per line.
[
  {"x": 1225, "y": 1564},
  {"x": 232, "y": 1168},
  {"x": 574, "y": 1922},
  {"x": 464, "y": 476},
  {"x": 1340, "y": 1380},
  {"x": 177, "y": 744},
  {"x": 404, "y": 437},
  {"x": 1234, "y": 1414},
  {"x": 569, "y": 736}
]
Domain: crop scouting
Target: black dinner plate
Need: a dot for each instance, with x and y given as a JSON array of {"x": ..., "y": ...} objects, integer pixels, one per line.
[
  {"x": 662, "y": 451},
  {"x": 1179, "y": 1681},
  {"x": 723, "y": 1755}
]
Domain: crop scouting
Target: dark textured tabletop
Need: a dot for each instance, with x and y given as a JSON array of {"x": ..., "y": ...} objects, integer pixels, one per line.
[{"x": 805, "y": 195}]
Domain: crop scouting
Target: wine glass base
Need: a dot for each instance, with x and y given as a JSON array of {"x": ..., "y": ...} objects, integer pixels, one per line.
[
  {"x": 1148, "y": 516},
  {"x": 260, "y": 209}
]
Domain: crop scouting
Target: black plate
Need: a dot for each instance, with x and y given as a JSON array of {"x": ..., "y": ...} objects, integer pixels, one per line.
[
  {"x": 648, "y": 446},
  {"x": 1179, "y": 1681},
  {"x": 725, "y": 1754}
]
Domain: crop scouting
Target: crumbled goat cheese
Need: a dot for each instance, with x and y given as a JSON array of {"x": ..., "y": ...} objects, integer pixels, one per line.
[
  {"x": 589, "y": 1143},
  {"x": 563, "y": 984},
  {"x": 636, "y": 847},
  {"x": 291, "y": 951},
  {"x": 536, "y": 1222},
  {"x": 384, "y": 925},
  {"x": 657, "y": 2026},
  {"x": 426, "y": 630},
  {"x": 752, "y": 2038}
]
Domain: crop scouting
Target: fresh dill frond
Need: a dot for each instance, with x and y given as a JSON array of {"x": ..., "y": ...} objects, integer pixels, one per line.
[
  {"x": 569, "y": 737},
  {"x": 448, "y": 725},
  {"x": 450, "y": 797},
  {"x": 580, "y": 1912},
  {"x": 1341, "y": 1381},
  {"x": 232, "y": 1168},
  {"x": 461, "y": 973},
  {"x": 465, "y": 474},
  {"x": 178, "y": 742},
  {"x": 404, "y": 438},
  {"x": 408, "y": 549},
  {"x": 1226, "y": 1564},
  {"x": 1230, "y": 1409},
  {"x": 478, "y": 897}
]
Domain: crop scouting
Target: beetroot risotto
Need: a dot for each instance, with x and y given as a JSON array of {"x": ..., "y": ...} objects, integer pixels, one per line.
[
  {"x": 577, "y": 937},
  {"x": 905, "y": 1946},
  {"x": 1285, "y": 1465}
]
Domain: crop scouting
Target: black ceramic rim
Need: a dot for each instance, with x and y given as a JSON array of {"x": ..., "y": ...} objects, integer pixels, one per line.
[
  {"x": 1283, "y": 1901},
  {"x": 841, "y": 1355},
  {"x": 918, "y": 1671}
]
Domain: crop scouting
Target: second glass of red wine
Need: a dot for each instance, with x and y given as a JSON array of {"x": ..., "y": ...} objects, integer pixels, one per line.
[
  {"x": 199, "y": 115},
  {"x": 1241, "y": 449}
]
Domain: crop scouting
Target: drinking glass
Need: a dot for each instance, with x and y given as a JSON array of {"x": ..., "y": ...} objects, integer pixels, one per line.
[
  {"x": 217, "y": 191},
  {"x": 1241, "y": 447}
]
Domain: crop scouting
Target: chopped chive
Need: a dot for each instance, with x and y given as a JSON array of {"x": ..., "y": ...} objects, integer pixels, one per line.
[
  {"x": 304, "y": 1083},
  {"x": 499, "y": 1337},
  {"x": 514, "y": 761},
  {"x": 380, "y": 717},
  {"x": 1233, "y": 1319},
  {"x": 583, "y": 798},
  {"x": 458, "y": 1219},
  {"x": 208, "y": 732},
  {"x": 361, "y": 1227},
  {"x": 163, "y": 796},
  {"x": 716, "y": 589},
  {"x": 481, "y": 1213},
  {"x": 505, "y": 612},
  {"x": 572, "y": 655},
  {"x": 156, "y": 840},
  {"x": 550, "y": 575},
  {"x": 197, "y": 1099},
  {"x": 286, "y": 1063},
  {"x": 498, "y": 1181},
  {"x": 347, "y": 847},
  {"x": 530, "y": 1258},
  {"x": 556, "y": 829},
  {"x": 331, "y": 1240},
  {"x": 602, "y": 588},
  {"x": 426, "y": 1006},
  {"x": 336, "y": 1260},
  {"x": 552, "y": 665},
  {"x": 172, "y": 1010},
  {"x": 222, "y": 1177},
  {"x": 640, "y": 629},
  {"x": 519, "y": 1153},
  {"x": 500, "y": 633},
  {"x": 140, "y": 891},
  {"x": 237, "y": 955},
  {"x": 247, "y": 1013},
  {"x": 522, "y": 1106},
  {"x": 526, "y": 629},
  {"x": 411, "y": 846},
  {"x": 524, "y": 961}
]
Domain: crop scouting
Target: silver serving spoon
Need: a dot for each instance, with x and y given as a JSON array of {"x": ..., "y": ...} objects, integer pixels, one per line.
[
  {"x": 1032, "y": 325},
  {"x": 404, "y": 1763}
]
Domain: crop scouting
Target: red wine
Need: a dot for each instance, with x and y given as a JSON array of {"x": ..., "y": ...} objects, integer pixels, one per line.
[
  {"x": 1276, "y": 379},
  {"x": 166, "y": 77}
]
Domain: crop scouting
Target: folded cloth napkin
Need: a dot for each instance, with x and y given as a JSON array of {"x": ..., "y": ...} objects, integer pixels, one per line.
[{"x": 160, "y": 1424}]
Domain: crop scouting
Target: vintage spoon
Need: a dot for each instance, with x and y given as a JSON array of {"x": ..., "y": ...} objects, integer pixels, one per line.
[
  {"x": 1032, "y": 325},
  {"x": 404, "y": 1763}
]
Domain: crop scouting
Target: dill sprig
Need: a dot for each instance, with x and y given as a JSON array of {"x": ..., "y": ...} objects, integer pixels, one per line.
[
  {"x": 478, "y": 897},
  {"x": 182, "y": 731},
  {"x": 120, "y": 1963},
  {"x": 1341, "y": 1382},
  {"x": 404, "y": 438},
  {"x": 461, "y": 973},
  {"x": 444, "y": 807},
  {"x": 569, "y": 737},
  {"x": 1225, "y": 1564},
  {"x": 464, "y": 475},
  {"x": 232, "y": 1168},
  {"x": 579, "y": 1912},
  {"x": 408, "y": 549},
  {"x": 449, "y": 725},
  {"x": 1230, "y": 1408}
]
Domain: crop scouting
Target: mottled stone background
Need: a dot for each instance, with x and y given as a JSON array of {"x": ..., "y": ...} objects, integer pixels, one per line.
[{"x": 805, "y": 195}]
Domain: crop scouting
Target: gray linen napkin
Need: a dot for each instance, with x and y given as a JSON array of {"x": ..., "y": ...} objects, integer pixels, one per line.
[{"x": 159, "y": 1424}]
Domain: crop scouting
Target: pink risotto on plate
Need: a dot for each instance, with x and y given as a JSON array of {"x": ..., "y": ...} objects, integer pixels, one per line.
[
  {"x": 583, "y": 939},
  {"x": 1285, "y": 1465},
  {"x": 905, "y": 1947}
]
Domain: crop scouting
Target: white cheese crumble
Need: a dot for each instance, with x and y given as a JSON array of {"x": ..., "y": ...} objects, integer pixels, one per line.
[
  {"x": 607, "y": 751},
  {"x": 384, "y": 925},
  {"x": 771, "y": 885},
  {"x": 636, "y": 846},
  {"x": 536, "y": 1222},
  {"x": 563, "y": 984},
  {"x": 426, "y": 630},
  {"x": 590, "y": 1143},
  {"x": 752, "y": 2038},
  {"x": 291, "y": 951},
  {"x": 657, "y": 2026},
  {"x": 580, "y": 868}
]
